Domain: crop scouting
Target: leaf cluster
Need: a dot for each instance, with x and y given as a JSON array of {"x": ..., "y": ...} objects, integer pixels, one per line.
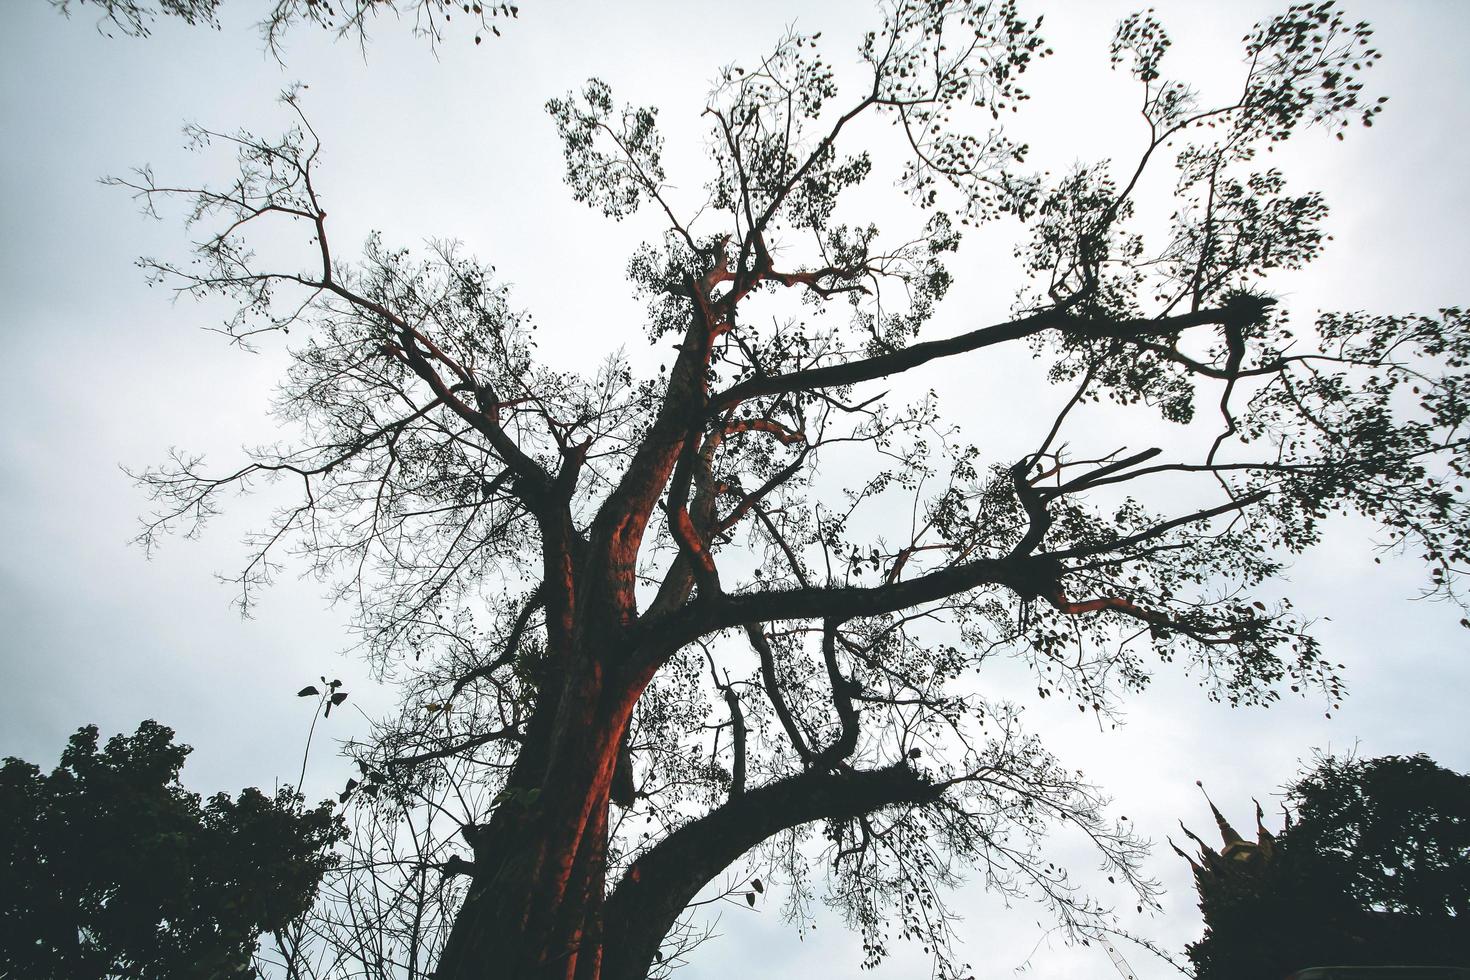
[{"x": 114, "y": 869}]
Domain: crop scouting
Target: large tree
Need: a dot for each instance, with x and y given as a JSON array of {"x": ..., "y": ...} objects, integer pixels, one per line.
[{"x": 654, "y": 624}]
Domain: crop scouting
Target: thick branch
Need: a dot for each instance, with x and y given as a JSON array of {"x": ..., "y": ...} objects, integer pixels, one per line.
[
  {"x": 841, "y": 602},
  {"x": 662, "y": 883},
  {"x": 617, "y": 531},
  {"x": 842, "y": 691},
  {"x": 737, "y": 729},
  {"x": 762, "y": 647},
  {"x": 884, "y": 365}
]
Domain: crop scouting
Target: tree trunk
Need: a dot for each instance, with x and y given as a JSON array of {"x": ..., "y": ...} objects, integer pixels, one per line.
[
  {"x": 534, "y": 906},
  {"x": 533, "y": 910}
]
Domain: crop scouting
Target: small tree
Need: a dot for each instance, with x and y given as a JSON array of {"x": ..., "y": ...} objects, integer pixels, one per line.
[
  {"x": 1374, "y": 870},
  {"x": 655, "y": 624},
  {"x": 114, "y": 870}
]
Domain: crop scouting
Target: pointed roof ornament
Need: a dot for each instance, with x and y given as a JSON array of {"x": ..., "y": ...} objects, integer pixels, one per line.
[
  {"x": 1192, "y": 836},
  {"x": 1265, "y": 840},
  {"x": 1205, "y": 852},
  {"x": 1212, "y": 863},
  {"x": 1263, "y": 836},
  {"x": 1198, "y": 868},
  {"x": 1227, "y": 832}
]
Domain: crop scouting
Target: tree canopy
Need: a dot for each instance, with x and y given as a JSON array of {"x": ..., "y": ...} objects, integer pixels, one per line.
[
  {"x": 740, "y": 607},
  {"x": 1399, "y": 825},
  {"x": 1372, "y": 869},
  {"x": 113, "y": 869}
]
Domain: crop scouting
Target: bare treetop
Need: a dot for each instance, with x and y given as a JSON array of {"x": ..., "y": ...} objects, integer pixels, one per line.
[{"x": 431, "y": 19}]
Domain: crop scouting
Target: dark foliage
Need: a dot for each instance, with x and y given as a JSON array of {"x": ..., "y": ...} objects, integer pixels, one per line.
[
  {"x": 1375, "y": 871},
  {"x": 114, "y": 870}
]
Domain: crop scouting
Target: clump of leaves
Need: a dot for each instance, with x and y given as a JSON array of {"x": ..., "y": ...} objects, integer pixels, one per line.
[{"x": 114, "y": 869}]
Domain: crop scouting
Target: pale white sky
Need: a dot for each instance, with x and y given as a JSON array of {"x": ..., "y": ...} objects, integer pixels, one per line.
[{"x": 99, "y": 370}]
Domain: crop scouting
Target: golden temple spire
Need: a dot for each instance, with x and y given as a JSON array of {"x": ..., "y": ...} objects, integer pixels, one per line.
[{"x": 1227, "y": 832}]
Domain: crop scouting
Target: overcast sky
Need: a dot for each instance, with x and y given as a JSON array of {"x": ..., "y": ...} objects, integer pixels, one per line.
[{"x": 102, "y": 372}]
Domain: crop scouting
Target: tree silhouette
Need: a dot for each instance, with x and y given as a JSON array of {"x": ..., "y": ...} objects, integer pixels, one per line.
[
  {"x": 653, "y": 624},
  {"x": 114, "y": 870},
  {"x": 1373, "y": 871}
]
